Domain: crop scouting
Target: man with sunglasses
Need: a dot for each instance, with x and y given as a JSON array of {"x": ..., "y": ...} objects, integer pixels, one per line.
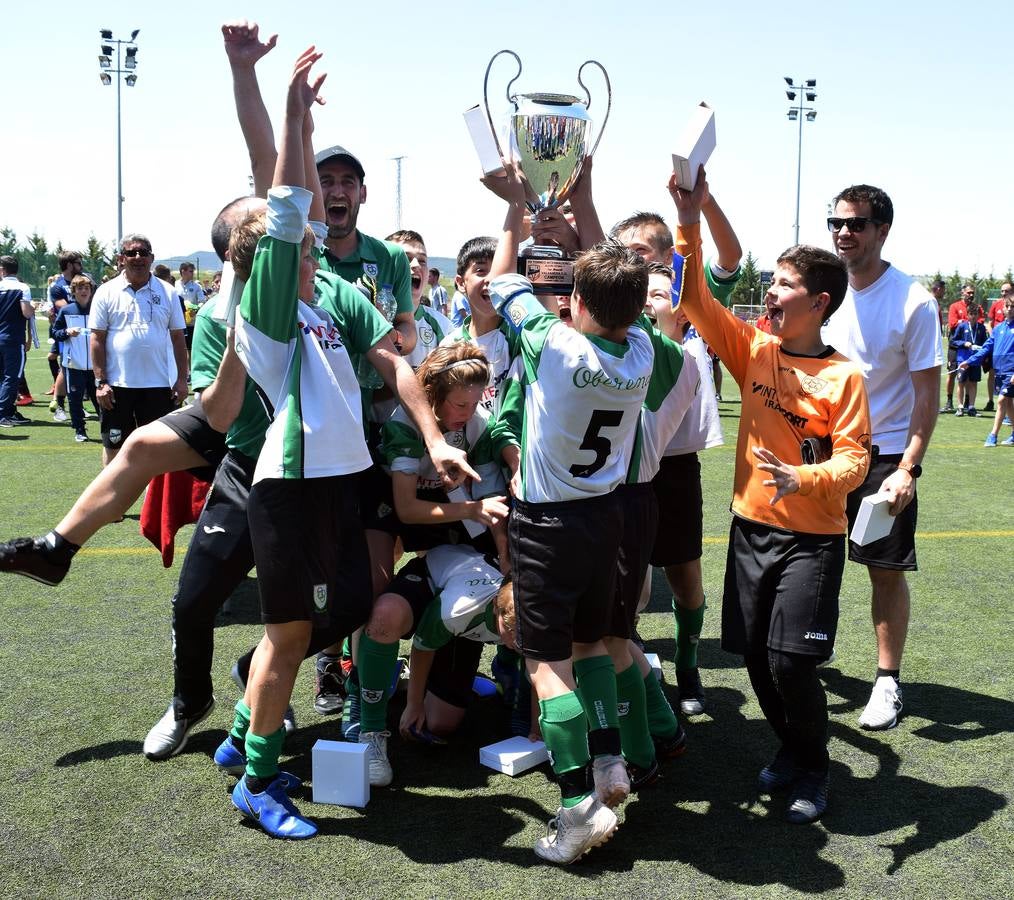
[
  {"x": 135, "y": 319},
  {"x": 888, "y": 324}
]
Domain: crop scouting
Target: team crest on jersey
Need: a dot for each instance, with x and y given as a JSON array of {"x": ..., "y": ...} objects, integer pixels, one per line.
[
  {"x": 320, "y": 596},
  {"x": 813, "y": 385},
  {"x": 622, "y": 709},
  {"x": 370, "y": 269},
  {"x": 455, "y": 438},
  {"x": 383, "y": 511},
  {"x": 115, "y": 435},
  {"x": 516, "y": 312},
  {"x": 426, "y": 335}
]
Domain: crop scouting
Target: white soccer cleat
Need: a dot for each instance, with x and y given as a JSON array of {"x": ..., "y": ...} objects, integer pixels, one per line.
[
  {"x": 381, "y": 772},
  {"x": 612, "y": 781},
  {"x": 885, "y": 703},
  {"x": 575, "y": 831}
]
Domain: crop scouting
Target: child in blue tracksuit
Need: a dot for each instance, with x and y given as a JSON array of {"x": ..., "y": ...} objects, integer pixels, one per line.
[
  {"x": 71, "y": 329},
  {"x": 1000, "y": 348},
  {"x": 968, "y": 336}
]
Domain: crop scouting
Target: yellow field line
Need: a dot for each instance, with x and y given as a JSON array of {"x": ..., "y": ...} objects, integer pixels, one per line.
[{"x": 921, "y": 535}]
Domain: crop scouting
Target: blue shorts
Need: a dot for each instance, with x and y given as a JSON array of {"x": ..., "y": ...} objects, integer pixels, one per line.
[{"x": 1002, "y": 386}]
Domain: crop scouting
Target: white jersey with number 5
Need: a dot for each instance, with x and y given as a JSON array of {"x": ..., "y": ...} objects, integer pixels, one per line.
[{"x": 576, "y": 405}]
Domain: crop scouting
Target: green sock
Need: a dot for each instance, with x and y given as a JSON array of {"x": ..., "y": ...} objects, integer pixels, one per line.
[
  {"x": 565, "y": 732},
  {"x": 662, "y": 722},
  {"x": 376, "y": 668},
  {"x": 262, "y": 752},
  {"x": 241, "y": 724},
  {"x": 596, "y": 686},
  {"x": 689, "y": 623},
  {"x": 635, "y": 738}
]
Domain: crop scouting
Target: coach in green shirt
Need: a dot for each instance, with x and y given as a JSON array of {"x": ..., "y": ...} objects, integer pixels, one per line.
[{"x": 352, "y": 255}]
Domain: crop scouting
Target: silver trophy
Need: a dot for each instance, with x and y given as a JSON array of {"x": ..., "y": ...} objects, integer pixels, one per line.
[{"x": 549, "y": 138}]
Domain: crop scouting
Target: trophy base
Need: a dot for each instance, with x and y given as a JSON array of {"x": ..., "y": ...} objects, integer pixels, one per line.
[{"x": 549, "y": 269}]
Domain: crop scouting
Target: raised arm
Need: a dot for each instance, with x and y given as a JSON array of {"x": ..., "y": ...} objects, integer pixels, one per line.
[
  {"x": 510, "y": 188},
  {"x": 586, "y": 217},
  {"x": 729, "y": 250},
  {"x": 244, "y": 49}
]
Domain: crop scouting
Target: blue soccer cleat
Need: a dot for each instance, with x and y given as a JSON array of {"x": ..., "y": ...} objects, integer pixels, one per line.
[{"x": 272, "y": 810}]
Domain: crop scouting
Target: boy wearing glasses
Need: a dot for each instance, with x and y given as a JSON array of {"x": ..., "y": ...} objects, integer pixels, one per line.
[{"x": 888, "y": 325}]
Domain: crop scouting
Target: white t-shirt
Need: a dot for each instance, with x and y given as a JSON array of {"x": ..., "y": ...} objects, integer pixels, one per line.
[
  {"x": 701, "y": 427},
  {"x": 889, "y": 329},
  {"x": 137, "y": 325}
]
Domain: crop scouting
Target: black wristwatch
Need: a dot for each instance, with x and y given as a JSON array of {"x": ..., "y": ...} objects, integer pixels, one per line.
[
  {"x": 100, "y": 382},
  {"x": 915, "y": 470}
]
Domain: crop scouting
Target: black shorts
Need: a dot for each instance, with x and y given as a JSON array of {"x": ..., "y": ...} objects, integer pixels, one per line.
[
  {"x": 640, "y": 523},
  {"x": 563, "y": 559},
  {"x": 413, "y": 584},
  {"x": 132, "y": 408},
  {"x": 191, "y": 425},
  {"x": 1002, "y": 386},
  {"x": 897, "y": 550},
  {"x": 453, "y": 671},
  {"x": 679, "y": 538},
  {"x": 972, "y": 374},
  {"x": 310, "y": 551},
  {"x": 781, "y": 590},
  {"x": 952, "y": 357}
]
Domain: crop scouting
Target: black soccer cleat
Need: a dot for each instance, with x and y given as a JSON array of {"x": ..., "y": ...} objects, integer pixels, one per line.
[
  {"x": 32, "y": 558},
  {"x": 642, "y": 778},
  {"x": 779, "y": 774},
  {"x": 808, "y": 799},
  {"x": 670, "y": 748}
]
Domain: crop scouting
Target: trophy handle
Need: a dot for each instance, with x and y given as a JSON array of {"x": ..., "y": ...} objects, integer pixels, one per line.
[
  {"x": 485, "y": 93},
  {"x": 587, "y": 94}
]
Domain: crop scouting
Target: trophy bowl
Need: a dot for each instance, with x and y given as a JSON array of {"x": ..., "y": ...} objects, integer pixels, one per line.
[{"x": 549, "y": 136}]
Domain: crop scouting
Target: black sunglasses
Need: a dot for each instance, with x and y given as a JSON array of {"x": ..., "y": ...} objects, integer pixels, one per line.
[
  {"x": 137, "y": 251},
  {"x": 855, "y": 223}
]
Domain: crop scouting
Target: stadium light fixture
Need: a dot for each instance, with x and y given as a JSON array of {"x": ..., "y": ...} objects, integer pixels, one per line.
[
  {"x": 124, "y": 70},
  {"x": 796, "y": 114}
]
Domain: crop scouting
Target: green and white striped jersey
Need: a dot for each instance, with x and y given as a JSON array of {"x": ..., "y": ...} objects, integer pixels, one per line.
[
  {"x": 405, "y": 451},
  {"x": 431, "y": 327},
  {"x": 497, "y": 351},
  {"x": 675, "y": 380},
  {"x": 298, "y": 354},
  {"x": 580, "y": 398},
  {"x": 464, "y": 586}
]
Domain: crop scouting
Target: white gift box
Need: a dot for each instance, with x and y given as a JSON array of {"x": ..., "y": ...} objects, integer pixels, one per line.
[
  {"x": 341, "y": 773},
  {"x": 655, "y": 663},
  {"x": 483, "y": 140},
  {"x": 695, "y": 146},
  {"x": 514, "y": 755},
  {"x": 873, "y": 521}
]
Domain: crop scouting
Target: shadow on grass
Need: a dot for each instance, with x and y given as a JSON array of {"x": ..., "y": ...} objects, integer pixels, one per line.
[{"x": 108, "y": 750}]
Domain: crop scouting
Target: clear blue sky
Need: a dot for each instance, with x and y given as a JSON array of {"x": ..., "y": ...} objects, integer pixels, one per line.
[{"x": 913, "y": 97}]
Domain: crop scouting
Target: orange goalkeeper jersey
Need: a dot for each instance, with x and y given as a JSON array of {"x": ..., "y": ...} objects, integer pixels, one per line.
[{"x": 786, "y": 399}]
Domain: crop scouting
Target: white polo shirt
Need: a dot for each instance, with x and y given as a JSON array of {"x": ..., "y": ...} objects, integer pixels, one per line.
[{"x": 137, "y": 325}]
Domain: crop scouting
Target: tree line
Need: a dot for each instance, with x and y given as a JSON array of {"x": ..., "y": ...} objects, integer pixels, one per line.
[{"x": 37, "y": 262}]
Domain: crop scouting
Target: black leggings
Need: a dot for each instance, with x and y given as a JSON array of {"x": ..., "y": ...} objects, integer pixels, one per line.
[{"x": 794, "y": 703}]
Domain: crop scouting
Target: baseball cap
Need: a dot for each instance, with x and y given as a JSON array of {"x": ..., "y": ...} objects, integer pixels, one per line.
[{"x": 340, "y": 153}]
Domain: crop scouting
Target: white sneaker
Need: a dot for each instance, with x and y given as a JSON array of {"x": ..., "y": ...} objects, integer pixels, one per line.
[
  {"x": 60, "y": 415},
  {"x": 885, "y": 704},
  {"x": 612, "y": 782},
  {"x": 168, "y": 736},
  {"x": 575, "y": 831},
  {"x": 380, "y": 769}
]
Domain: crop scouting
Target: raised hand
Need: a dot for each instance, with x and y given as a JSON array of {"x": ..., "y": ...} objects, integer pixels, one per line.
[
  {"x": 302, "y": 93},
  {"x": 243, "y": 46},
  {"x": 689, "y": 203}
]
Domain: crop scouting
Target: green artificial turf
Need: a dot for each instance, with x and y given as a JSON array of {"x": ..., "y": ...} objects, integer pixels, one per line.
[{"x": 920, "y": 811}]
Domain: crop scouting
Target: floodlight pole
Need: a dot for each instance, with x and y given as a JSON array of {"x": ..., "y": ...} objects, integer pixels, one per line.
[
  {"x": 120, "y": 164},
  {"x": 119, "y": 72},
  {"x": 397, "y": 202},
  {"x": 805, "y": 85}
]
